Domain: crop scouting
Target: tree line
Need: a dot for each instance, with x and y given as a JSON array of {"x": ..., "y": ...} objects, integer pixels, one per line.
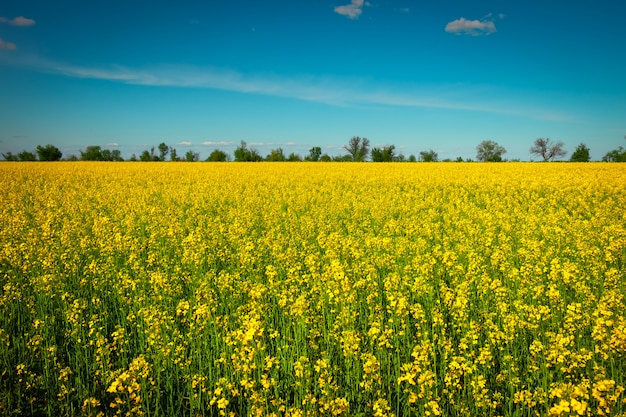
[{"x": 358, "y": 150}]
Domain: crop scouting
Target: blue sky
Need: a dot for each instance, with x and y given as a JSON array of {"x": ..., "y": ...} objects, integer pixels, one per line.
[{"x": 420, "y": 75}]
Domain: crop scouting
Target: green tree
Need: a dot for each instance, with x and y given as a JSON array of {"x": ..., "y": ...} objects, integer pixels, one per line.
[
  {"x": 548, "y": 151},
  {"x": 116, "y": 155},
  {"x": 106, "y": 155},
  {"x": 243, "y": 154},
  {"x": 10, "y": 157},
  {"x": 489, "y": 151},
  {"x": 26, "y": 156},
  {"x": 325, "y": 158},
  {"x": 49, "y": 153},
  {"x": 358, "y": 148},
  {"x": 581, "y": 154},
  {"x": 294, "y": 157},
  {"x": 342, "y": 158},
  {"x": 314, "y": 154},
  {"x": 616, "y": 155},
  {"x": 429, "y": 156},
  {"x": 412, "y": 158},
  {"x": 191, "y": 156},
  {"x": 276, "y": 155},
  {"x": 163, "y": 151},
  {"x": 145, "y": 156},
  {"x": 384, "y": 154},
  {"x": 92, "y": 153},
  {"x": 218, "y": 156},
  {"x": 173, "y": 155}
]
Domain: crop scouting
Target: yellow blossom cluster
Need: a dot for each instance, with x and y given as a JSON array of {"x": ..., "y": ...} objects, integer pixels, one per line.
[{"x": 312, "y": 289}]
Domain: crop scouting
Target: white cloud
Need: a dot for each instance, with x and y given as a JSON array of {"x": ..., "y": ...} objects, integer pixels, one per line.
[
  {"x": 7, "y": 46},
  {"x": 185, "y": 143},
  {"x": 18, "y": 21},
  {"x": 471, "y": 27},
  {"x": 113, "y": 144},
  {"x": 220, "y": 143},
  {"x": 352, "y": 10}
]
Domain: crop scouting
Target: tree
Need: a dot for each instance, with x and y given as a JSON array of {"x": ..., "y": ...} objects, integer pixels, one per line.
[
  {"x": 294, "y": 157},
  {"x": 145, "y": 156},
  {"x": 173, "y": 155},
  {"x": 92, "y": 153},
  {"x": 314, "y": 154},
  {"x": 163, "y": 151},
  {"x": 358, "y": 148},
  {"x": 325, "y": 158},
  {"x": 116, "y": 155},
  {"x": 217, "y": 156},
  {"x": 581, "y": 154},
  {"x": 276, "y": 155},
  {"x": 489, "y": 151},
  {"x": 385, "y": 154},
  {"x": 616, "y": 155},
  {"x": 49, "y": 153},
  {"x": 106, "y": 155},
  {"x": 412, "y": 158},
  {"x": 342, "y": 158},
  {"x": 548, "y": 151},
  {"x": 10, "y": 157},
  {"x": 26, "y": 156},
  {"x": 243, "y": 154},
  {"x": 429, "y": 156},
  {"x": 191, "y": 156}
]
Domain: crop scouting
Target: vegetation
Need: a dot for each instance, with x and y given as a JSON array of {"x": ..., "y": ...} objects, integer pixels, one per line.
[
  {"x": 548, "y": 151},
  {"x": 96, "y": 153},
  {"x": 315, "y": 153},
  {"x": 289, "y": 289},
  {"x": 489, "y": 151},
  {"x": 616, "y": 155},
  {"x": 429, "y": 156},
  {"x": 385, "y": 154},
  {"x": 358, "y": 149},
  {"x": 49, "y": 153},
  {"x": 243, "y": 154},
  {"x": 581, "y": 154},
  {"x": 218, "y": 156}
]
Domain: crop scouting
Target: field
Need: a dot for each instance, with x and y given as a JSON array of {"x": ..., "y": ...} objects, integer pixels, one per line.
[{"x": 271, "y": 289}]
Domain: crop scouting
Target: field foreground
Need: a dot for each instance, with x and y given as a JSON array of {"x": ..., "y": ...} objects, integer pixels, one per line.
[{"x": 455, "y": 289}]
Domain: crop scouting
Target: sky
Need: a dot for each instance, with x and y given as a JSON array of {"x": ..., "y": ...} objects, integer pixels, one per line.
[{"x": 420, "y": 75}]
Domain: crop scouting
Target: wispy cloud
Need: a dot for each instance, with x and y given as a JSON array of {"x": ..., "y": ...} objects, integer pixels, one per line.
[
  {"x": 220, "y": 143},
  {"x": 484, "y": 26},
  {"x": 17, "y": 21},
  {"x": 185, "y": 143},
  {"x": 352, "y": 10},
  {"x": 331, "y": 91},
  {"x": 113, "y": 144},
  {"x": 7, "y": 46}
]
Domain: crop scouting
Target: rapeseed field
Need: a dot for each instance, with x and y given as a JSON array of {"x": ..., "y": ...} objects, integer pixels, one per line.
[{"x": 312, "y": 289}]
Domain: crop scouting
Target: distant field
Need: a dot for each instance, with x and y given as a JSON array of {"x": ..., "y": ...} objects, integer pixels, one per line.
[{"x": 454, "y": 289}]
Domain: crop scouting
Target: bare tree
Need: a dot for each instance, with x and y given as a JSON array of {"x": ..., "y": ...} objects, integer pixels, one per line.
[
  {"x": 358, "y": 148},
  {"x": 548, "y": 151}
]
